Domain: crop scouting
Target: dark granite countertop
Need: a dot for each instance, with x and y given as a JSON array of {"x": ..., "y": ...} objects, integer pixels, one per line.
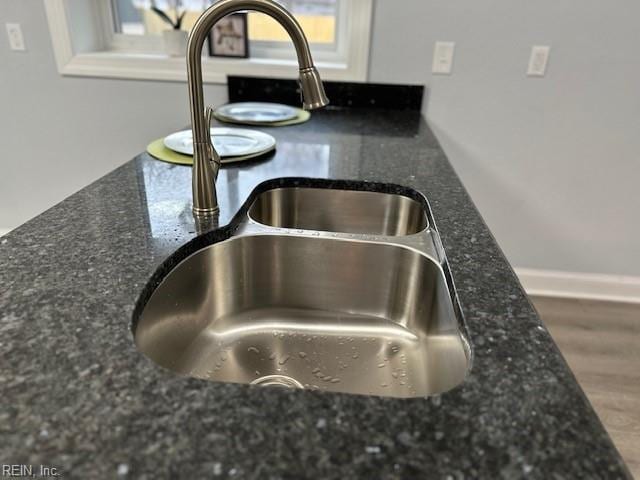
[{"x": 76, "y": 394}]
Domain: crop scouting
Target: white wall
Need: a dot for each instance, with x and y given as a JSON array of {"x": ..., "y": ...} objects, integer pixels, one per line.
[{"x": 551, "y": 163}]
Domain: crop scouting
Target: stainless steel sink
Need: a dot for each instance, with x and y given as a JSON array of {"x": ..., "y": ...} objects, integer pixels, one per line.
[
  {"x": 306, "y": 309},
  {"x": 331, "y": 210}
]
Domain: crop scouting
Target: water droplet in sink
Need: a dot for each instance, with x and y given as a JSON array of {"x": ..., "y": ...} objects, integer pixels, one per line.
[
  {"x": 272, "y": 356},
  {"x": 381, "y": 365},
  {"x": 355, "y": 355},
  {"x": 335, "y": 380},
  {"x": 302, "y": 354},
  {"x": 253, "y": 350},
  {"x": 284, "y": 360},
  {"x": 315, "y": 370}
]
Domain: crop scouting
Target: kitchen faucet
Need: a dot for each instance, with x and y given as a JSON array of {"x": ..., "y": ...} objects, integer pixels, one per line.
[{"x": 206, "y": 161}]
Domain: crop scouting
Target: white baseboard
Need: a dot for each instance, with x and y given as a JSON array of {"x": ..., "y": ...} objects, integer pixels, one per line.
[
  {"x": 549, "y": 283},
  {"x": 4, "y": 231}
]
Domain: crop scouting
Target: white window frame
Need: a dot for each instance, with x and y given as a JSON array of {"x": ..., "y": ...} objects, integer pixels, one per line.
[{"x": 84, "y": 44}]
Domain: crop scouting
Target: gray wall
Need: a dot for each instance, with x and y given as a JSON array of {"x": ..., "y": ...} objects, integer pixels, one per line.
[
  {"x": 551, "y": 163},
  {"x": 57, "y": 134}
]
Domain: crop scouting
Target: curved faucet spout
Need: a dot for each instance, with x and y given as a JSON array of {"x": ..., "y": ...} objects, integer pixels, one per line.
[{"x": 206, "y": 161}]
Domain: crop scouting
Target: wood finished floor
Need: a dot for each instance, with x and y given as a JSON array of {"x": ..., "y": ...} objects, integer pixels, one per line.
[{"x": 601, "y": 343}]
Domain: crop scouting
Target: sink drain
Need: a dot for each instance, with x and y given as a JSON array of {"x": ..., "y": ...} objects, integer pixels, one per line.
[{"x": 277, "y": 381}]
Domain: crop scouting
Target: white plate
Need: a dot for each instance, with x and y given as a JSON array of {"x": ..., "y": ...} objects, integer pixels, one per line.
[
  {"x": 228, "y": 142},
  {"x": 259, "y": 112}
]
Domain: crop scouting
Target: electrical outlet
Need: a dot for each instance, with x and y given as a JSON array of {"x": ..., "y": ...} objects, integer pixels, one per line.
[
  {"x": 443, "y": 58},
  {"x": 16, "y": 40},
  {"x": 538, "y": 60}
]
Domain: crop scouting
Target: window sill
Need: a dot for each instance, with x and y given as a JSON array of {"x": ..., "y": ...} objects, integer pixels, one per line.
[{"x": 214, "y": 70}]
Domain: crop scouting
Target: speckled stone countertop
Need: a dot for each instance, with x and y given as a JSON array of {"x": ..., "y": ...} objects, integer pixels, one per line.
[{"x": 76, "y": 394}]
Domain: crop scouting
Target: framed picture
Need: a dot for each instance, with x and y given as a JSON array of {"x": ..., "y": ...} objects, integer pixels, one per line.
[{"x": 229, "y": 37}]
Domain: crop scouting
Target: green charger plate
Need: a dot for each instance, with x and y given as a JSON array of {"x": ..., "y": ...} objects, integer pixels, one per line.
[{"x": 302, "y": 117}]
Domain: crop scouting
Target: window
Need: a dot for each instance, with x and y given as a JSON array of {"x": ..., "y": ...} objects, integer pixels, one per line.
[
  {"x": 318, "y": 19},
  {"x": 124, "y": 39},
  {"x": 137, "y": 27}
]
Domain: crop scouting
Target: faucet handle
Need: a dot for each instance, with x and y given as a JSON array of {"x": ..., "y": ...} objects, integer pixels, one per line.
[
  {"x": 208, "y": 116},
  {"x": 213, "y": 155}
]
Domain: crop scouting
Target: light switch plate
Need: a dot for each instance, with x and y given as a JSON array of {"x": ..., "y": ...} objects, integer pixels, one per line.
[
  {"x": 443, "y": 58},
  {"x": 538, "y": 60},
  {"x": 16, "y": 39}
]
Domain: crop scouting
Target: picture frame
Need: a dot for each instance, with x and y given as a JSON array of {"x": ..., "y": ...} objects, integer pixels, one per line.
[{"x": 230, "y": 37}]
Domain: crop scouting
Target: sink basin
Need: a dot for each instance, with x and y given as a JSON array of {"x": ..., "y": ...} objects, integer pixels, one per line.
[
  {"x": 332, "y": 210},
  {"x": 294, "y": 311}
]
